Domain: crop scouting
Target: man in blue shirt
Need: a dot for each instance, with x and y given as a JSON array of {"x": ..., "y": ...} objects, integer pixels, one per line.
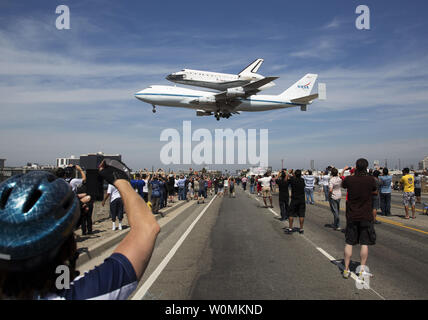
[
  {"x": 138, "y": 185},
  {"x": 385, "y": 192},
  {"x": 31, "y": 256},
  {"x": 182, "y": 188}
]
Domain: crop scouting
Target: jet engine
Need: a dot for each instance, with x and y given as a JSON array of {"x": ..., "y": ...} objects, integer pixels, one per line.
[
  {"x": 201, "y": 113},
  {"x": 235, "y": 92}
]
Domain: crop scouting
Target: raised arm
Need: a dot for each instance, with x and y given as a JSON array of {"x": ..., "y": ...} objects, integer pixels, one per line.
[
  {"x": 83, "y": 174},
  {"x": 138, "y": 244}
]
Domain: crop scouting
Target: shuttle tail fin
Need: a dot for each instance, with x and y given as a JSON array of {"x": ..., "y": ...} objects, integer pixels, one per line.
[
  {"x": 252, "y": 68},
  {"x": 301, "y": 88}
]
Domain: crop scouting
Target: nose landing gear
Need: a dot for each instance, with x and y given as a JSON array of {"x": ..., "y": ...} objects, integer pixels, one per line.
[{"x": 154, "y": 108}]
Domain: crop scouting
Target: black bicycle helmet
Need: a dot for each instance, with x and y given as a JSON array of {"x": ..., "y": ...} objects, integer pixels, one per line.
[{"x": 38, "y": 212}]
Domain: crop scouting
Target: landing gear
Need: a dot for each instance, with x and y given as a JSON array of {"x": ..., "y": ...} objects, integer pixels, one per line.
[
  {"x": 154, "y": 108},
  {"x": 219, "y": 115}
]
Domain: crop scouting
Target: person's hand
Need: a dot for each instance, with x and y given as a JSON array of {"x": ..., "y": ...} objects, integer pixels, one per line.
[
  {"x": 84, "y": 200},
  {"x": 112, "y": 170}
]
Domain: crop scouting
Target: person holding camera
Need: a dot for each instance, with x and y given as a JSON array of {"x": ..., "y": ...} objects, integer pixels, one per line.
[
  {"x": 33, "y": 247},
  {"x": 283, "y": 194},
  {"x": 78, "y": 185}
]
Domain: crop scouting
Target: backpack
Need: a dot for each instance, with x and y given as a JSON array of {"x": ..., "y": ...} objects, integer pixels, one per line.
[{"x": 155, "y": 190}]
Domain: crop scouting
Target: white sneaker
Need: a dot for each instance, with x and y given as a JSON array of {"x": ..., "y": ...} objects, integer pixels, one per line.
[
  {"x": 120, "y": 226},
  {"x": 114, "y": 227}
]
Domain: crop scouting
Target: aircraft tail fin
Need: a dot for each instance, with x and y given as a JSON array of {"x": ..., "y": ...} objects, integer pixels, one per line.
[
  {"x": 252, "y": 68},
  {"x": 301, "y": 88}
]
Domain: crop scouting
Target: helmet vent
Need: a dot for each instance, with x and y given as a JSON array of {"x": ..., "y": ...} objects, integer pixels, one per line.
[
  {"x": 35, "y": 195},
  {"x": 4, "y": 197}
]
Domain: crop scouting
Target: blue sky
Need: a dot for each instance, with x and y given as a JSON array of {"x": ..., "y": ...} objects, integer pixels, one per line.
[{"x": 71, "y": 91}]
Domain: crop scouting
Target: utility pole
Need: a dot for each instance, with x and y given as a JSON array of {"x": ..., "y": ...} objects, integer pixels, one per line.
[
  {"x": 399, "y": 164},
  {"x": 282, "y": 164}
]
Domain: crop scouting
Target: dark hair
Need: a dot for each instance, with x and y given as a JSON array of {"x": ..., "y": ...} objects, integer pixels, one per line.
[
  {"x": 416, "y": 174},
  {"x": 376, "y": 173},
  {"x": 298, "y": 173},
  {"x": 406, "y": 170},
  {"x": 24, "y": 285},
  {"x": 385, "y": 171},
  {"x": 361, "y": 167},
  {"x": 334, "y": 172},
  {"x": 60, "y": 172},
  {"x": 310, "y": 172}
]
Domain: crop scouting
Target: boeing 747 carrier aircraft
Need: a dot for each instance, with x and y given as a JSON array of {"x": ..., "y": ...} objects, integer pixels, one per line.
[
  {"x": 220, "y": 81},
  {"x": 234, "y": 100}
]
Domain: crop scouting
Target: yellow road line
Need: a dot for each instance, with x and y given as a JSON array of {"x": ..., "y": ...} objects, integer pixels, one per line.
[
  {"x": 410, "y": 208},
  {"x": 399, "y": 224}
]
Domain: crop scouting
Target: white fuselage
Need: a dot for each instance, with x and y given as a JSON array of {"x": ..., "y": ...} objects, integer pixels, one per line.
[
  {"x": 214, "y": 80},
  {"x": 185, "y": 98}
]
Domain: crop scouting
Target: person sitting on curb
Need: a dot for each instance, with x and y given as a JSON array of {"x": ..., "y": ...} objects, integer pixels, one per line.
[{"x": 34, "y": 245}]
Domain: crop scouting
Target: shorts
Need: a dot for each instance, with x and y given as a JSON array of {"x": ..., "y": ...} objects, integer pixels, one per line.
[
  {"x": 409, "y": 197},
  {"x": 360, "y": 232},
  {"x": 417, "y": 192},
  {"x": 220, "y": 189},
  {"x": 116, "y": 209},
  {"x": 375, "y": 203},
  {"x": 266, "y": 192},
  {"x": 297, "y": 209}
]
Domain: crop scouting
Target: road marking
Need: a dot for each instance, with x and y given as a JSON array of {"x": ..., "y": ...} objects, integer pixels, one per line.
[
  {"x": 330, "y": 257},
  {"x": 274, "y": 212},
  {"x": 353, "y": 275},
  {"x": 326, "y": 254},
  {"x": 400, "y": 225},
  {"x": 386, "y": 220},
  {"x": 139, "y": 295}
]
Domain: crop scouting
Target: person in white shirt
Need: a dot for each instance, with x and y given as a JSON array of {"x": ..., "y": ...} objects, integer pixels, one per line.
[
  {"x": 116, "y": 205},
  {"x": 324, "y": 183},
  {"x": 265, "y": 183},
  {"x": 335, "y": 192},
  {"x": 309, "y": 187},
  {"x": 226, "y": 186}
]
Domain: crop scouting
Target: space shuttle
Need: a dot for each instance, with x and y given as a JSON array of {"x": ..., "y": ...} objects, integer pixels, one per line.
[{"x": 220, "y": 81}]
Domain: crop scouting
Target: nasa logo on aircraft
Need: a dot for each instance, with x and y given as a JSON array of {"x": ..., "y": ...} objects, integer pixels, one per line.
[{"x": 304, "y": 86}]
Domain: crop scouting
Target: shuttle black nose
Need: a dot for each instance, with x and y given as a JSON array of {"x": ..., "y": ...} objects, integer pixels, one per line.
[{"x": 172, "y": 77}]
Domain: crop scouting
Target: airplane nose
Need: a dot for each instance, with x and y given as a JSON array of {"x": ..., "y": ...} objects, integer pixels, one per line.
[{"x": 172, "y": 77}]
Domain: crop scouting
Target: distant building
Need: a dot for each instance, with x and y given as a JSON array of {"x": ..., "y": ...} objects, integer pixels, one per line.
[
  {"x": 425, "y": 163},
  {"x": 63, "y": 162},
  {"x": 2, "y": 161},
  {"x": 312, "y": 165}
]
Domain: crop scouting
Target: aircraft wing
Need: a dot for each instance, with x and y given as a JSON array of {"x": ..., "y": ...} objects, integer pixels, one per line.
[
  {"x": 244, "y": 91},
  {"x": 306, "y": 99},
  {"x": 259, "y": 83}
]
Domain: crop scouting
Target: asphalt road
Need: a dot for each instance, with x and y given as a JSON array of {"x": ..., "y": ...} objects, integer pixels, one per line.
[{"x": 233, "y": 248}]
